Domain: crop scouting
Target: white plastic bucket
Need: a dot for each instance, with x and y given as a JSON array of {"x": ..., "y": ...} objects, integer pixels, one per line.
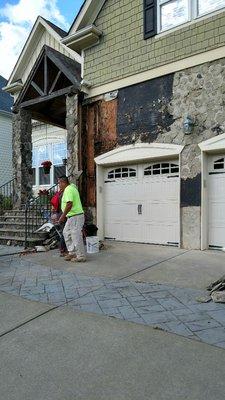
[{"x": 92, "y": 243}]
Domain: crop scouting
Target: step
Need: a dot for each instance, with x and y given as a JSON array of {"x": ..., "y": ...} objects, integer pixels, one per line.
[
  {"x": 17, "y": 218},
  {"x": 21, "y": 213},
  {"x": 20, "y": 233},
  {"x": 18, "y": 225},
  {"x": 31, "y": 241},
  {"x": 29, "y": 211}
]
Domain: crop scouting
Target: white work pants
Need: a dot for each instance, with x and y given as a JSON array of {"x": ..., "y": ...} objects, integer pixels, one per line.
[{"x": 73, "y": 236}]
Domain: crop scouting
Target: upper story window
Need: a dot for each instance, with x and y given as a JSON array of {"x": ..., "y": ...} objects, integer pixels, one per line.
[{"x": 161, "y": 15}]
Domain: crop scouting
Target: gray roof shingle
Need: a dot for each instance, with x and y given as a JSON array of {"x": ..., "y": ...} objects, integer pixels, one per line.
[
  {"x": 6, "y": 101},
  {"x": 56, "y": 28}
]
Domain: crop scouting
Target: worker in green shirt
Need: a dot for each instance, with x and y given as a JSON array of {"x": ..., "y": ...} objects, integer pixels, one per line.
[{"x": 72, "y": 211}]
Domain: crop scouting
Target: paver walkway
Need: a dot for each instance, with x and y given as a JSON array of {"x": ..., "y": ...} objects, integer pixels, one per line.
[{"x": 166, "y": 307}]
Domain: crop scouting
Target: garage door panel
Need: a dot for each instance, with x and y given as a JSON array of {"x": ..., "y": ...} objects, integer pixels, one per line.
[
  {"x": 217, "y": 213},
  {"x": 160, "y": 213},
  {"x": 126, "y": 210},
  {"x": 118, "y": 231}
]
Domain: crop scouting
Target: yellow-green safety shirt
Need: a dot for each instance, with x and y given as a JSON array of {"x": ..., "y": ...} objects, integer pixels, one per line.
[{"x": 71, "y": 194}]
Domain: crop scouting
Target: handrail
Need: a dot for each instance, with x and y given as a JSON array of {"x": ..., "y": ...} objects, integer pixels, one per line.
[
  {"x": 13, "y": 179},
  {"x": 38, "y": 211},
  {"x": 8, "y": 195}
]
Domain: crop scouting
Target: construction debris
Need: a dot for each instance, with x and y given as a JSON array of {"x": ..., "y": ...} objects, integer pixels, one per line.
[
  {"x": 26, "y": 252},
  {"x": 45, "y": 227},
  {"x": 217, "y": 290},
  {"x": 218, "y": 297},
  {"x": 102, "y": 245},
  {"x": 204, "y": 299},
  {"x": 40, "y": 249}
]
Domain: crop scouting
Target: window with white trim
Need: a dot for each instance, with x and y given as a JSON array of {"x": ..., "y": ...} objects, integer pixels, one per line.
[
  {"x": 122, "y": 172},
  {"x": 162, "y": 15},
  {"x": 54, "y": 152},
  {"x": 161, "y": 169},
  {"x": 176, "y": 12}
]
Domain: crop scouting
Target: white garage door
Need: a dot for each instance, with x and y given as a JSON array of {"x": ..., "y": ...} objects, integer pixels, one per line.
[
  {"x": 141, "y": 203},
  {"x": 216, "y": 201}
]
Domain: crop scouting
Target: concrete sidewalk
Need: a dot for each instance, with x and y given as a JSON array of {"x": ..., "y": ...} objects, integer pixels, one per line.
[{"x": 62, "y": 355}]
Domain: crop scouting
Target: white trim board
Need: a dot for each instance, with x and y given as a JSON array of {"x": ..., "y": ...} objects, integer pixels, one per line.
[
  {"x": 215, "y": 143},
  {"x": 87, "y": 15},
  {"x": 138, "y": 152}
]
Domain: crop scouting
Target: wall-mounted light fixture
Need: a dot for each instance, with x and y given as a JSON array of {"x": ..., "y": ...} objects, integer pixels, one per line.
[{"x": 188, "y": 125}]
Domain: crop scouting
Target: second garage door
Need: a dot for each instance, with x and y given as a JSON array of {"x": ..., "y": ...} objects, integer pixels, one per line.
[
  {"x": 216, "y": 201},
  {"x": 142, "y": 202}
]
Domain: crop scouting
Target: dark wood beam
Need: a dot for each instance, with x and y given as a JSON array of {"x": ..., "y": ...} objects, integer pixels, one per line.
[
  {"x": 37, "y": 88},
  {"x": 31, "y": 76},
  {"x": 45, "y": 75},
  {"x": 60, "y": 65},
  {"x": 48, "y": 120},
  {"x": 38, "y": 100},
  {"x": 55, "y": 81}
]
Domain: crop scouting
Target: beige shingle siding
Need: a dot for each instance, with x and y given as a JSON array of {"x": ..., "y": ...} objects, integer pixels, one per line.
[
  {"x": 122, "y": 51},
  {"x": 5, "y": 148}
]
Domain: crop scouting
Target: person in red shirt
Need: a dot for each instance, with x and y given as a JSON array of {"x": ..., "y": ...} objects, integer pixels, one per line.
[{"x": 56, "y": 214}]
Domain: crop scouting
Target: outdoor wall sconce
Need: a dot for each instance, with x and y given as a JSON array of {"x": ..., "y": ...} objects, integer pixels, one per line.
[{"x": 188, "y": 125}]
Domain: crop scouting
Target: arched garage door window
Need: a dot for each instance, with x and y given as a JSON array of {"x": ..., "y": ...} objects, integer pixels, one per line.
[
  {"x": 122, "y": 172},
  {"x": 161, "y": 169}
]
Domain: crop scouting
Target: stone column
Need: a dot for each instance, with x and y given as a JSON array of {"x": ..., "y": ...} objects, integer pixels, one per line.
[
  {"x": 72, "y": 126},
  {"x": 22, "y": 155},
  {"x": 191, "y": 197}
]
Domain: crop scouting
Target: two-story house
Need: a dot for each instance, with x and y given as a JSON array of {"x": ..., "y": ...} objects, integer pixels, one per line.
[{"x": 145, "y": 115}]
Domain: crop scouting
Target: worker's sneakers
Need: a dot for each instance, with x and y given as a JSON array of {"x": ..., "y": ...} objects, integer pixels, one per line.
[
  {"x": 63, "y": 254},
  {"x": 69, "y": 257},
  {"x": 78, "y": 259}
]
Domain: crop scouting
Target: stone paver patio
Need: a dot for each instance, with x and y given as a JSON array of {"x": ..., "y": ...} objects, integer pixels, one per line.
[{"x": 166, "y": 307}]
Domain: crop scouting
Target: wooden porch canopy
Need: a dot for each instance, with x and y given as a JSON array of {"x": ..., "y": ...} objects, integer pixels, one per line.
[{"x": 52, "y": 77}]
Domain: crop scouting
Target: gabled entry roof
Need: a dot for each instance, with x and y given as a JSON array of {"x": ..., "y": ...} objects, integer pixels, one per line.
[
  {"x": 43, "y": 30},
  {"x": 52, "y": 77}
]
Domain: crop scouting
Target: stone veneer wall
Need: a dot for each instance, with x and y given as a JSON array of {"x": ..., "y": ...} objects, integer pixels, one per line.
[
  {"x": 199, "y": 92},
  {"x": 123, "y": 52},
  {"x": 22, "y": 155},
  {"x": 72, "y": 135}
]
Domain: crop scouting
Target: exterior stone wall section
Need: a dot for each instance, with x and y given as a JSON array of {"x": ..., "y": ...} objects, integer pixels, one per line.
[
  {"x": 22, "y": 155},
  {"x": 72, "y": 127}
]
